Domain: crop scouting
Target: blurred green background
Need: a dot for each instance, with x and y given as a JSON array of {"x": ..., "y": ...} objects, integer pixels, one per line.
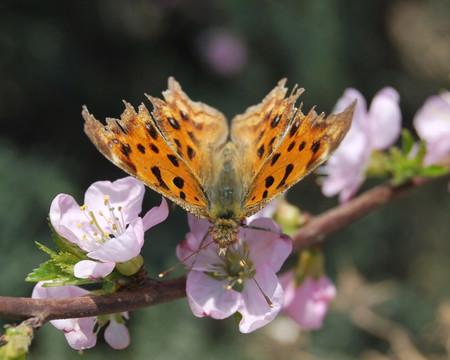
[{"x": 391, "y": 268}]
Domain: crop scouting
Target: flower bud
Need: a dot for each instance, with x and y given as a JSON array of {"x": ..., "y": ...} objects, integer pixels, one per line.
[{"x": 130, "y": 267}]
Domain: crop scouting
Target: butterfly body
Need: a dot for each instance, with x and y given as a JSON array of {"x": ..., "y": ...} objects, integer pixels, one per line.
[{"x": 186, "y": 151}]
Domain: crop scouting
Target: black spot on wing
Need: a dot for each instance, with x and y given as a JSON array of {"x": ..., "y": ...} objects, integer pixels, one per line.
[
  {"x": 291, "y": 146},
  {"x": 315, "y": 146},
  {"x": 154, "y": 148},
  {"x": 177, "y": 142},
  {"x": 271, "y": 145},
  {"x": 173, "y": 159},
  {"x": 184, "y": 116},
  {"x": 151, "y": 130},
  {"x": 182, "y": 195},
  {"x": 302, "y": 146},
  {"x": 269, "y": 181},
  {"x": 141, "y": 148},
  {"x": 155, "y": 170},
  {"x": 178, "y": 182},
  {"x": 126, "y": 150},
  {"x": 190, "y": 152},
  {"x": 260, "y": 151},
  {"x": 174, "y": 123},
  {"x": 287, "y": 172},
  {"x": 275, "y": 121},
  {"x": 265, "y": 193},
  {"x": 294, "y": 128},
  {"x": 275, "y": 159}
]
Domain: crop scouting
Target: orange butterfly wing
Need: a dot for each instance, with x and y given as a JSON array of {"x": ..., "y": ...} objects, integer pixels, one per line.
[
  {"x": 168, "y": 150},
  {"x": 285, "y": 145}
]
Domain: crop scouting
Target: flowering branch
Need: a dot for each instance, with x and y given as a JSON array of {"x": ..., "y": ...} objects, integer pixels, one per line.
[
  {"x": 153, "y": 292},
  {"x": 321, "y": 226}
]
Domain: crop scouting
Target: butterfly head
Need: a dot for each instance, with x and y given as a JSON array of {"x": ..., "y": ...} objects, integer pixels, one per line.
[{"x": 225, "y": 234}]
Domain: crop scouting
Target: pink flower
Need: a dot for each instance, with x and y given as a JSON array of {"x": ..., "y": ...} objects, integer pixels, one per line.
[
  {"x": 107, "y": 226},
  {"x": 79, "y": 332},
  {"x": 224, "y": 52},
  {"x": 307, "y": 303},
  {"x": 219, "y": 286},
  {"x": 116, "y": 333},
  {"x": 375, "y": 129},
  {"x": 432, "y": 123}
]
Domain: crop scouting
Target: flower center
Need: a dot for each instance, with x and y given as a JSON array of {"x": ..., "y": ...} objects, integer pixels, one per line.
[
  {"x": 235, "y": 267},
  {"x": 111, "y": 217}
]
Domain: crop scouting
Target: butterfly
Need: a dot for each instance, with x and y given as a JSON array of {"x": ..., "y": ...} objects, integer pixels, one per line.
[{"x": 186, "y": 151}]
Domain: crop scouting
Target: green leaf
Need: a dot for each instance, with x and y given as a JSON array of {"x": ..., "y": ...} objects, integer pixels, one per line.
[
  {"x": 45, "y": 249},
  {"x": 45, "y": 271},
  {"x": 434, "y": 170},
  {"x": 407, "y": 142}
]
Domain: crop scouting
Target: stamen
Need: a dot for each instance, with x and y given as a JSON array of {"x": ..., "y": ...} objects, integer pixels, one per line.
[
  {"x": 83, "y": 207},
  {"x": 106, "y": 198}
]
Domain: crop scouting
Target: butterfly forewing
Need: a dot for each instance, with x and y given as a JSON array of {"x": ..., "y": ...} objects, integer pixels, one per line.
[
  {"x": 192, "y": 129},
  {"x": 307, "y": 142},
  {"x": 135, "y": 144}
]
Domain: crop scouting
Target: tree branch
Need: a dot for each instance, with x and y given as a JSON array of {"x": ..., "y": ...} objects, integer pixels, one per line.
[{"x": 154, "y": 292}]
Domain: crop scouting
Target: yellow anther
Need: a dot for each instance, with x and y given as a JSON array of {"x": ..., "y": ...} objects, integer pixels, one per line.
[
  {"x": 114, "y": 227},
  {"x": 83, "y": 207},
  {"x": 100, "y": 213},
  {"x": 229, "y": 287},
  {"x": 119, "y": 208},
  {"x": 240, "y": 281},
  {"x": 79, "y": 225},
  {"x": 97, "y": 239},
  {"x": 106, "y": 198},
  {"x": 229, "y": 278}
]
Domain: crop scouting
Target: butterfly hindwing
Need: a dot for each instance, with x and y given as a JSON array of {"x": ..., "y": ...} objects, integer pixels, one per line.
[{"x": 136, "y": 145}]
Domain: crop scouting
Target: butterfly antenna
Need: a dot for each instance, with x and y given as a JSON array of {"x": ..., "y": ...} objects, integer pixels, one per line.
[
  {"x": 265, "y": 229},
  {"x": 244, "y": 264},
  {"x": 201, "y": 247}
]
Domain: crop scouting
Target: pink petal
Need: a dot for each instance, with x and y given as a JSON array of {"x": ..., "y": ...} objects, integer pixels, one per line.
[
  {"x": 82, "y": 335},
  {"x": 266, "y": 247},
  {"x": 207, "y": 297},
  {"x": 123, "y": 248},
  {"x": 385, "y": 118},
  {"x": 432, "y": 123},
  {"x": 65, "y": 216},
  {"x": 127, "y": 192},
  {"x": 253, "y": 307},
  {"x": 199, "y": 227},
  {"x": 156, "y": 215},
  {"x": 346, "y": 167},
  {"x": 307, "y": 304},
  {"x": 57, "y": 292},
  {"x": 117, "y": 335},
  {"x": 87, "y": 269}
]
